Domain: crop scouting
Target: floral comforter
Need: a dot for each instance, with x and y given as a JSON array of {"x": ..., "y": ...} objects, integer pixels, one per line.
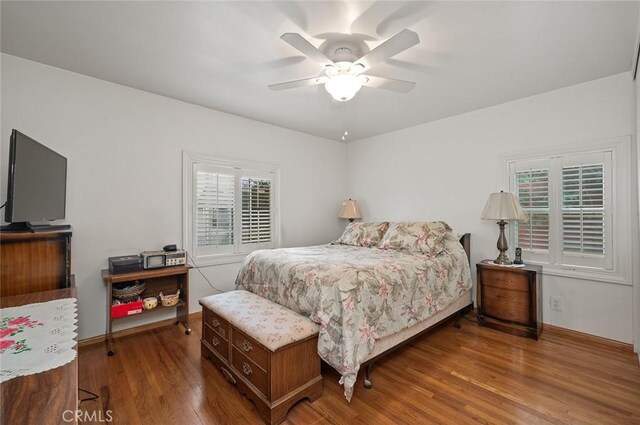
[{"x": 357, "y": 295}]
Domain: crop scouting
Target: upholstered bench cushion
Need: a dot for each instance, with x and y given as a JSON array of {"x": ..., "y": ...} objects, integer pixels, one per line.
[{"x": 271, "y": 324}]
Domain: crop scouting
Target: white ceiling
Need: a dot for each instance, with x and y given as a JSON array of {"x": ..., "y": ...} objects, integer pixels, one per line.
[{"x": 222, "y": 55}]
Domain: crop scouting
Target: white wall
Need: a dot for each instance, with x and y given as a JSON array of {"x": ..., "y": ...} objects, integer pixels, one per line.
[
  {"x": 124, "y": 170},
  {"x": 447, "y": 168}
]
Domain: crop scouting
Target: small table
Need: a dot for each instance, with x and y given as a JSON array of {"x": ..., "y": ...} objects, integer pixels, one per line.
[
  {"x": 167, "y": 280},
  {"x": 41, "y": 398},
  {"x": 509, "y": 298}
]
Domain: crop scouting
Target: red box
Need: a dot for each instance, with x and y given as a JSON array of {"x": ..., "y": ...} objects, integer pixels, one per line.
[{"x": 128, "y": 309}]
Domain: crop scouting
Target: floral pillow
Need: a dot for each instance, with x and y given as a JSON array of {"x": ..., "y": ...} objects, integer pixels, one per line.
[
  {"x": 426, "y": 237},
  {"x": 363, "y": 234}
]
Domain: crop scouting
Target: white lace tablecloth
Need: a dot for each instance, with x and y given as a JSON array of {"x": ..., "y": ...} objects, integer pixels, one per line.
[{"x": 37, "y": 337}]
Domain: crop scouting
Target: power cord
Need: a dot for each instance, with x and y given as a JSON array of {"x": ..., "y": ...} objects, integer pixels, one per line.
[
  {"x": 93, "y": 396},
  {"x": 200, "y": 271},
  {"x": 3, "y": 205}
]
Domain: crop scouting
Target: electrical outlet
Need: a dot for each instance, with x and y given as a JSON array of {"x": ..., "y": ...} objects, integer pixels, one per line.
[{"x": 556, "y": 303}]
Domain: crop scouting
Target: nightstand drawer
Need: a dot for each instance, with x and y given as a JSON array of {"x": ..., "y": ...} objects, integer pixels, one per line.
[
  {"x": 514, "y": 306},
  {"x": 506, "y": 280}
]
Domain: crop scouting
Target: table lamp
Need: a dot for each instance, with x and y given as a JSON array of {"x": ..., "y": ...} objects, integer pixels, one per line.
[
  {"x": 350, "y": 210},
  {"x": 503, "y": 206}
]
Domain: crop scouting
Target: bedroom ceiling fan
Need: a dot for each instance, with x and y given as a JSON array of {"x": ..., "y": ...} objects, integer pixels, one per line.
[{"x": 344, "y": 76}]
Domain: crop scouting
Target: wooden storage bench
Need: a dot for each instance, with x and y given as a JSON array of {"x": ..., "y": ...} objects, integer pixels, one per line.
[{"x": 268, "y": 351}]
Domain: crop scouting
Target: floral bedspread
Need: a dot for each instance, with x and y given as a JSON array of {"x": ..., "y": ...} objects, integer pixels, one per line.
[{"x": 357, "y": 295}]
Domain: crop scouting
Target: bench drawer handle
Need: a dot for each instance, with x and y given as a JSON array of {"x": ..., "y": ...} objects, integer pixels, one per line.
[
  {"x": 246, "y": 346},
  {"x": 215, "y": 323},
  {"x": 215, "y": 341},
  {"x": 247, "y": 369},
  {"x": 508, "y": 297}
]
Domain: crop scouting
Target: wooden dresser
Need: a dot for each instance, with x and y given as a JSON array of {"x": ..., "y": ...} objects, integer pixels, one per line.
[
  {"x": 45, "y": 398},
  {"x": 509, "y": 298},
  {"x": 34, "y": 262}
]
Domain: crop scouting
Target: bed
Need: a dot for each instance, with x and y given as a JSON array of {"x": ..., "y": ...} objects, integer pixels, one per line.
[{"x": 369, "y": 294}]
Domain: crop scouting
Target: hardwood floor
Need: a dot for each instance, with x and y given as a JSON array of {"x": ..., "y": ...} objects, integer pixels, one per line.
[{"x": 453, "y": 376}]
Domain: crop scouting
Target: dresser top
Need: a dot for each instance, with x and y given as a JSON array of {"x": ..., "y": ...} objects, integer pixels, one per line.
[
  {"x": 488, "y": 264},
  {"x": 26, "y": 236}
]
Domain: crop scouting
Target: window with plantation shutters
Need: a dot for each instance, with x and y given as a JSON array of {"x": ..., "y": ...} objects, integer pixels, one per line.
[
  {"x": 532, "y": 189},
  {"x": 531, "y": 182},
  {"x": 568, "y": 199},
  {"x": 214, "y": 210},
  {"x": 256, "y": 210},
  {"x": 585, "y": 209},
  {"x": 229, "y": 208}
]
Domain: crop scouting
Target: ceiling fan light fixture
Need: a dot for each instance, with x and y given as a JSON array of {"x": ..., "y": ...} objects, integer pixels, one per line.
[
  {"x": 356, "y": 69},
  {"x": 342, "y": 76},
  {"x": 343, "y": 87},
  {"x": 331, "y": 70}
]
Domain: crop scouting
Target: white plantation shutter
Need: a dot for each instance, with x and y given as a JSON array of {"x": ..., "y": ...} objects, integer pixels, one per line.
[
  {"x": 585, "y": 217},
  {"x": 257, "y": 223},
  {"x": 530, "y": 182},
  {"x": 583, "y": 209},
  {"x": 532, "y": 189},
  {"x": 214, "y": 209}
]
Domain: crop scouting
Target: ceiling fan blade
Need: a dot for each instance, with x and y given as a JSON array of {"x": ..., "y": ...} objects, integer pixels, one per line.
[
  {"x": 396, "y": 44},
  {"x": 389, "y": 84},
  {"x": 306, "y": 48},
  {"x": 298, "y": 83}
]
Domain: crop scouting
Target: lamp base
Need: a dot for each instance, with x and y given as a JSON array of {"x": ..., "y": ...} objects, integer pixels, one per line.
[{"x": 502, "y": 259}]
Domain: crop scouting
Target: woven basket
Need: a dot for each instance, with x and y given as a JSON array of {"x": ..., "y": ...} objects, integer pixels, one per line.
[
  {"x": 170, "y": 300},
  {"x": 129, "y": 293}
]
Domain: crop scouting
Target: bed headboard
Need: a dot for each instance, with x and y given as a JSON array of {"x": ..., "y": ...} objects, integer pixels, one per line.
[{"x": 465, "y": 240}]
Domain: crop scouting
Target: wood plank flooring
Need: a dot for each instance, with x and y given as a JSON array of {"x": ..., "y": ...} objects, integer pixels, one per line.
[{"x": 451, "y": 376}]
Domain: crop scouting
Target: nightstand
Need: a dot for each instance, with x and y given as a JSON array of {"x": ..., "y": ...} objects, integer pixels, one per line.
[{"x": 509, "y": 298}]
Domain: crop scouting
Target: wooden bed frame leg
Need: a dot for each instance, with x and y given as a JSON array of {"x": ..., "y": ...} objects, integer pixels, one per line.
[
  {"x": 456, "y": 322},
  {"x": 367, "y": 377}
]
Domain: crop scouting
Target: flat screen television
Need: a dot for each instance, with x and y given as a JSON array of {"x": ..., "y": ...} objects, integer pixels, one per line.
[{"x": 37, "y": 184}]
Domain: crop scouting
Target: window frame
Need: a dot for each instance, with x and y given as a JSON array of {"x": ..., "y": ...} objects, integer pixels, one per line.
[
  {"x": 620, "y": 212},
  {"x": 240, "y": 167}
]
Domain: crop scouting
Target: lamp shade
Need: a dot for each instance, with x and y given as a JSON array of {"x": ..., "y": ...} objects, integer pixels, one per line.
[
  {"x": 503, "y": 206},
  {"x": 350, "y": 209}
]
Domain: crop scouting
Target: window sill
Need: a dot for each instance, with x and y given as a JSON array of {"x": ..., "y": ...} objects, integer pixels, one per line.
[
  {"x": 217, "y": 260},
  {"x": 583, "y": 274}
]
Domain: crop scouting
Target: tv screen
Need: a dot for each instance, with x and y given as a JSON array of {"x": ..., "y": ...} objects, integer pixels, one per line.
[{"x": 37, "y": 182}]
